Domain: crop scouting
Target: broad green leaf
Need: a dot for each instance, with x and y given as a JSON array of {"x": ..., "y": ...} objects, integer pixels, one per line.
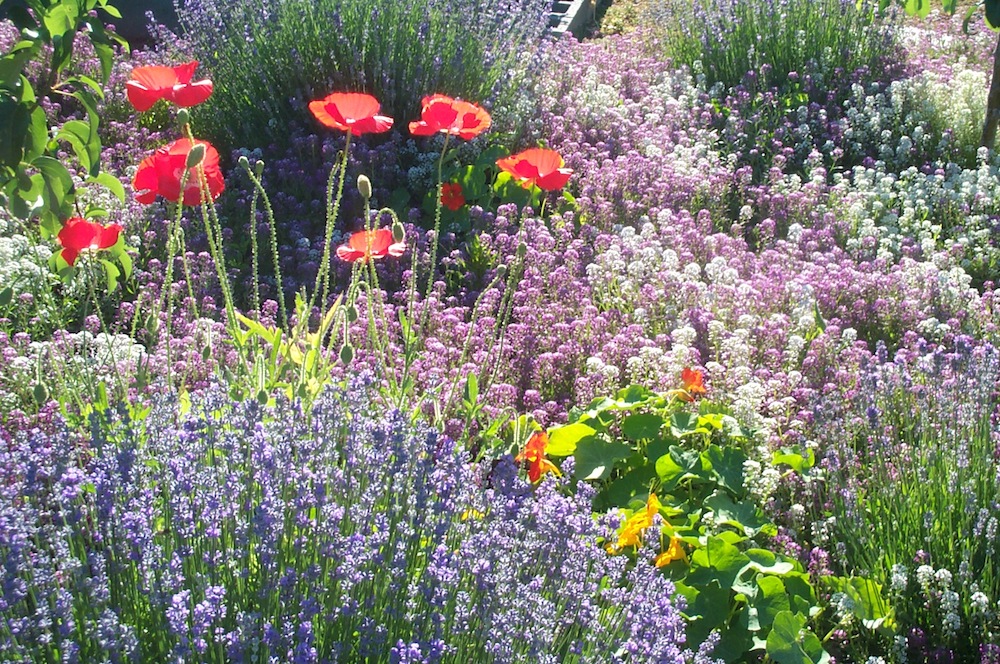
[
  {"x": 596, "y": 458},
  {"x": 634, "y": 483},
  {"x": 727, "y": 463},
  {"x": 471, "y": 394},
  {"x": 866, "y": 596},
  {"x": 919, "y": 8},
  {"x": 993, "y": 14},
  {"x": 686, "y": 424},
  {"x": 767, "y": 562},
  {"x": 719, "y": 560},
  {"x": 642, "y": 426},
  {"x": 59, "y": 189},
  {"x": 770, "y": 600},
  {"x": 707, "y": 608},
  {"x": 77, "y": 134},
  {"x": 798, "y": 460},
  {"x": 473, "y": 181},
  {"x": 743, "y": 515},
  {"x": 111, "y": 183},
  {"x": 563, "y": 440},
  {"x": 790, "y": 642}
]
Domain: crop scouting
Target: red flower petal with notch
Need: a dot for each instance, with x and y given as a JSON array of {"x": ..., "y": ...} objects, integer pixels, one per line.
[
  {"x": 537, "y": 166},
  {"x": 441, "y": 113},
  {"x": 79, "y": 234},
  {"x": 370, "y": 244},
  {"x": 694, "y": 384},
  {"x": 160, "y": 174},
  {"x": 451, "y": 196},
  {"x": 148, "y": 85},
  {"x": 353, "y": 112}
]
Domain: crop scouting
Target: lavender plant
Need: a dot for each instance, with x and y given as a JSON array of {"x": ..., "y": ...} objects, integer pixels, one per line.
[
  {"x": 216, "y": 531},
  {"x": 269, "y": 58}
]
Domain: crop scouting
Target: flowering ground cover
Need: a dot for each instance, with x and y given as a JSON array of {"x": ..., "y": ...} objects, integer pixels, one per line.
[{"x": 673, "y": 345}]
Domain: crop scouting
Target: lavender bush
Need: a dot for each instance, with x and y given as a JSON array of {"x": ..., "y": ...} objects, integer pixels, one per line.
[
  {"x": 269, "y": 58},
  {"x": 216, "y": 531}
]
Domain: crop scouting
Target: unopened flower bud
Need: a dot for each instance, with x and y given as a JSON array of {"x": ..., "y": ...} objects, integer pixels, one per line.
[
  {"x": 40, "y": 394},
  {"x": 196, "y": 155},
  {"x": 522, "y": 250},
  {"x": 262, "y": 397},
  {"x": 258, "y": 168},
  {"x": 244, "y": 162},
  {"x": 501, "y": 270},
  {"x": 365, "y": 186},
  {"x": 183, "y": 117},
  {"x": 346, "y": 353},
  {"x": 352, "y": 313},
  {"x": 152, "y": 323},
  {"x": 398, "y": 232}
]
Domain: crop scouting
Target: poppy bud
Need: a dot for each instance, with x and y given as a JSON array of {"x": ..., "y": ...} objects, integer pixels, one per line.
[
  {"x": 262, "y": 397},
  {"x": 365, "y": 186},
  {"x": 352, "y": 314},
  {"x": 183, "y": 117},
  {"x": 152, "y": 323},
  {"x": 398, "y": 232},
  {"x": 206, "y": 353},
  {"x": 501, "y": 270},
  {"x": 196, "y": 155},
  {"x": 346, "y": 353},
  {"x": 244, "y": 162},
  {"x": 522, "y": 250},
  {"x": 258, "y": 168},
  {"x": 6, "y": 295},
  {"x": 40, "y": 393}
]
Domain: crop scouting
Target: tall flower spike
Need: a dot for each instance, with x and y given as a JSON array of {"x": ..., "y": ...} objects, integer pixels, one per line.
[
  {"x": 537, "y": 166},
  {"x": 443, "y": 114},
  {"x": 148, "y": 85},
  {"x": 353, "y": 112},
  {"x": 79, "y": 234},
  {"x": 161, "y": 173}
]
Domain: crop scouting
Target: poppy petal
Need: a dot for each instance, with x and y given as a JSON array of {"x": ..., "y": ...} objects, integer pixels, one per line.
[
  {"x": 555, "y": 180},
  {"x": 141, "y": 98},
  {"x": 191, "y": 94}
]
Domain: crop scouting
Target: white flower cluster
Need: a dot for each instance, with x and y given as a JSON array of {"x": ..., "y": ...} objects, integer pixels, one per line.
[{"x": 760, "y": 481}]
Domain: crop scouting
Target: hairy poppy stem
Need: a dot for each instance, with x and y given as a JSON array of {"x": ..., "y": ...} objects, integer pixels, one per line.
[
  {"x": 333, "y": 209},
  {"x": 434, "y": 246},
  {"x": 269, "y": 213}
]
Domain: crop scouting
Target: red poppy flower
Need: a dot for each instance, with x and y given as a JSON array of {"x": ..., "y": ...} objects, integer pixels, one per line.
[
  {"x": 534, "y": 454},
  {"x": 151, "y": 84},
  {"x": 451, "y": 196},
  {"x": 694, "y": 384},
  {"x": 537, "y": 166},
  {"x": 161, "y": 174},
  {"x": 78, "y": 234},
  {"x": 443, "y": 114},
  {"x": 353, "y": 112},
  {"x": 381, "y": 245}
]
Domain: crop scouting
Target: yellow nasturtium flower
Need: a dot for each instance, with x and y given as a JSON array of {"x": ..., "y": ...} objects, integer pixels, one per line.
[
  {"x": 632, "y": 529},
  {"x": 674, "y": 552}
]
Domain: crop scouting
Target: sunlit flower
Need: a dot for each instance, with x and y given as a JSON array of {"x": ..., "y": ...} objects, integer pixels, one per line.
[
  {"x": 534, "y": 454},
  {"x": 370, "y": 244},
  {"x": 353, "y": 112},
  {"x": 675, "y": 551},
  {"x": 148, "y": 85},
  {"x": 635, "y": 525},
  {"x": 161, "y": 173},
  {"x": 694, "y": 384},
  {"x": 537, "y": 166},
  {"x": 451, "y": 196},
  {"x": 441, "y": 113},
  {"x": 80, "y": 234}
]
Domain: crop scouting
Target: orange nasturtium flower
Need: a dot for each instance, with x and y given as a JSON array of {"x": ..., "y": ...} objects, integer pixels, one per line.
[
  {"x": 353, "y": 112},
  {"x": 537, "y": 166},
  {"x": 534, "y": 454},
  {"x": 148, "y": 85},
  {"x": 451, "y": 196},
  {"x": 694, "y": 384},
  {"x": 79, "y": 234},
  {"x": 675, "y": 551},
  {"x": 161, "y": 173},
  {"x": 370, "y": 244},
  {"x": 441, "y": 113},
  {"x": 635, "y": 525}
]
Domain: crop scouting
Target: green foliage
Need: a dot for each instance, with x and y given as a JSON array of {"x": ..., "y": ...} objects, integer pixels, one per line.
[
  {"x": 649, "y": 454},
  {"x": 33, "y": 182}
]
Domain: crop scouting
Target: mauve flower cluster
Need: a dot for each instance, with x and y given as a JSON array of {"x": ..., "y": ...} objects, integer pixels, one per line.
[{"x": 213, "y": 530}]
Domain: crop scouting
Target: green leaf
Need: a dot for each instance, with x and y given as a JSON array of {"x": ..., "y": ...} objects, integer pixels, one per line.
[
  {"x": 919, "y": 8},
  {"x": 596, "y": 458},
  {"x": 112, "y": 274},
  {"x": 685, "y": 424},
  {"x": 77, "y": 134},
  {"x": 767, "y": 562},
  {"x": 866, "y": 596},
  {"x": 6, "y": 295},
  {"x": 727, "y": 463},
  {"x": 791, "y": 643},
  {"x": 563, "y": 440},
  {"x": 993, "y": 14},
  {"x": 744, "y": 516},
  {"x": 111, "y": 183},
  {"x": 634, "y": 483},
  {"x": 770, "y": 600},
  {"x": 59, "y": 190},
  {"x": 473, "y": 181},
  {"x": 799, "y": 461},
  {"x": 642, "y": 426},
  {"x": 471, "y": 394},
  {"x": 718, "y": 559}
]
